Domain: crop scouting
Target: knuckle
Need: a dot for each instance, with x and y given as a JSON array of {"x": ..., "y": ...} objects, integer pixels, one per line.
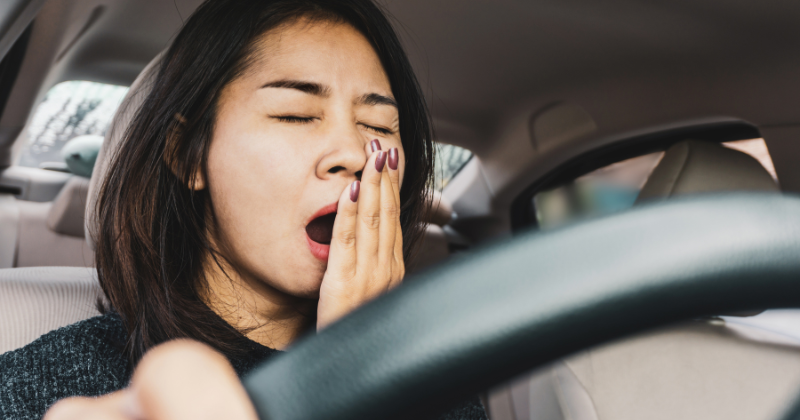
[
  {"x": 346, "y": 239},
  {"x": 346, "y": 211},
  {"x": 371, "y": 221},
  {"x": 390, "y": 210},
  {"x": 373, "y": 180}
]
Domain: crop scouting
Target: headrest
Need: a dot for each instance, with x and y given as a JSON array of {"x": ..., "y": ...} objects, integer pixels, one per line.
[
  {"x": 80, "y": 153},
  {"x": 694, "y": 166},
  {"x": 133, "y": 100},
  {"x": 69, "y": 208}
]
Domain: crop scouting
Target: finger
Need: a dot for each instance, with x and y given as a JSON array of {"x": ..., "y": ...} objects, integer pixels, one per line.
[
  {"x": 390, "y": 217},
  {"x": 398, "y": 267},
  {"x": 393, "y": 164},
  {"x": 109, "y": 407},
  {"x": 184, "y": 379},
  {"x": 342, "y": 258},
  {"x": 369, "y": 214}
]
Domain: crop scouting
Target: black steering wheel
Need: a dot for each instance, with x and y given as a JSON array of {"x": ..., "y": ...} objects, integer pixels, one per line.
[{"x": 490, "y": 315}]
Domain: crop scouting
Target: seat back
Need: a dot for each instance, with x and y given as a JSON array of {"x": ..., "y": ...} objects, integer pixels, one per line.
[
  {"x": 697, "y": 167},
  {"x": 51, "y": 234},
  {"x": 34, "y": 301}
]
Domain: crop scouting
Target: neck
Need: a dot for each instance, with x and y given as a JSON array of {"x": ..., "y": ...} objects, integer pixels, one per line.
[{"x": 262, "y": 313}]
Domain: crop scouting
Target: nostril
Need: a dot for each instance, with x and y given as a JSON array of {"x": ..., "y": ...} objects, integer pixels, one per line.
[
  {"x": 358, "y": 175},
  {"x": 335, "y": 169}
]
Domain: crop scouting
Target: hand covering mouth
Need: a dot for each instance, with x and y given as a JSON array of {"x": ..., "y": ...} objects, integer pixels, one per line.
[{"x": 320, "y": 229}]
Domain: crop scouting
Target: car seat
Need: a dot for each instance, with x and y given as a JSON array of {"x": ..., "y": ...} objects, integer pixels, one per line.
[
  {"x": 51, "y": 233},
  {"x": 718, "y": 368},
  {"x": 34, "y": 301},
  {"x": 35, "y": 232}
]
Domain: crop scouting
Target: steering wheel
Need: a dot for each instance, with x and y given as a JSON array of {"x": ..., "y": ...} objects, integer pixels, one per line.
[{"x": 488, "y": 316}]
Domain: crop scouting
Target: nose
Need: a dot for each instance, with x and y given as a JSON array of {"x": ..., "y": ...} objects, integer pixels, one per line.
[{"x": 345, "y": 158}]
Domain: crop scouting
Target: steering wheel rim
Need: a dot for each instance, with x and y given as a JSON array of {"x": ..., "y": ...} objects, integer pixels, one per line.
[{"x": 488, "y": 316}]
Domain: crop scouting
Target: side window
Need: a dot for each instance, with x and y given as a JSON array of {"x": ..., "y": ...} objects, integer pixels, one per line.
[
  {"x": 615, "y": 187},
  {"x": 449, "y": 160},
  {"x": 603, "y": 191},
  {"x": 69, "y": 109}
]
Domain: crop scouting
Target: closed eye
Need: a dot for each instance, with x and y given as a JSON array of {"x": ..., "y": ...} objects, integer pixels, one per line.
[
  {"x": 379, "y": 130},
  {"x": 294, "y": 119}
]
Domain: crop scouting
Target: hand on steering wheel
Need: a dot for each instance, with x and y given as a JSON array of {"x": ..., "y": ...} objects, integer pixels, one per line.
[{"x": 180, "y": 379}]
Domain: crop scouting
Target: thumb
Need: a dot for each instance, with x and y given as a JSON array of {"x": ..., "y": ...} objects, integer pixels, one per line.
[{"x": 184, "y": 379}]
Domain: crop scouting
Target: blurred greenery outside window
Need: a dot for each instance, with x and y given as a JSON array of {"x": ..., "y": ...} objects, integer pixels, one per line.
[
  {"x": 69, "y": 109},
  {"x": 449, "y": 160},
  {"x": 615, "y": 187}
]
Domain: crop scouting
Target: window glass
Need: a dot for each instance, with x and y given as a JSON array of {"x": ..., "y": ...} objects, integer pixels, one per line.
[
  {"x": 449, "y": 160},
  {"x": 615, "y": 187},
  {"x": 756, "y": 148},
  {"x": 69, "y": 109},
  {"x": 606, "y": 190}
]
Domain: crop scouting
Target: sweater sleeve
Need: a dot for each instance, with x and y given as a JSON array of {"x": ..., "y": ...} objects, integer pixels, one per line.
[{"x": 77, "y": 360}]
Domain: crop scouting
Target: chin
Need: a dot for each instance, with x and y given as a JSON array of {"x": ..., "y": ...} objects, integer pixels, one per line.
[
  {"x": 307, "y": 282},
  {"x": 307, "y": 288}
]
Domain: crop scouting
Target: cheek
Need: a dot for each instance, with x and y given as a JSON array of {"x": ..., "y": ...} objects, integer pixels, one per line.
[
  {"x": 244, "y": 164},
  {"x": 253, "y": 179}
]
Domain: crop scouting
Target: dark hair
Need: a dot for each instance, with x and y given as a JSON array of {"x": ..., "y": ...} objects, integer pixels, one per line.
[{"x": 152, "y": 235}]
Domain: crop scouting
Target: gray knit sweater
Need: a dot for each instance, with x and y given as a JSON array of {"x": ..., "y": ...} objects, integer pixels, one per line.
[{"x": 84, "y": 359}]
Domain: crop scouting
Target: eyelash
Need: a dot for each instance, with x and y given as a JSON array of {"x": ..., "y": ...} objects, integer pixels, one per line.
[
  {"x": 293, "y": 119},
  {"x": 383, "y": 131},
  {"x": 306, "y": 120}
]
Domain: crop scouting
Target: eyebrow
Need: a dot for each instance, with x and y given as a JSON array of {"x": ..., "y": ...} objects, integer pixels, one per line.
[
  {"x": 317, "y": 89},
  {"x": 311, "y": 88},
  {"x": 376, "y": 99}
]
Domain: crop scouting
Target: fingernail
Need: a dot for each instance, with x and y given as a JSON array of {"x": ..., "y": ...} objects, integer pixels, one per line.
[
  {"x": 355, "y": 188},
  {"x": 375, "y": 145},
  {"x": 394, "y": 157},
  {"x": 380, "y": 161}
]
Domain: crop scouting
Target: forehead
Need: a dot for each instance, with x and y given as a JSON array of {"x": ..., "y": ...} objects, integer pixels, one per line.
[{"x": 322, "y": 51}]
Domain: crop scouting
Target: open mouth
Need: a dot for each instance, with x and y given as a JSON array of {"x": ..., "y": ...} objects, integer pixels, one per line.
[{"x": 320, "y": 229}]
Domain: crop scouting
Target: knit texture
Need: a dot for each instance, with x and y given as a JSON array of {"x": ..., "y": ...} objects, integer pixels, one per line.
[{"x": 86, "y": 359}]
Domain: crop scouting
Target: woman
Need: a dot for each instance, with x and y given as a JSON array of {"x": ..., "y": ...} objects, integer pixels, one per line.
[{"x": 257, "y": 196}]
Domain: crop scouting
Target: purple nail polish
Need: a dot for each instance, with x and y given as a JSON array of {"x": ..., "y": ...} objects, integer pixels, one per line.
[
  {"x": 380, "y": 161},
  {"x": 375, "y": 145},
  {"x": 394, "y": 157},
  {"x": 355, "y": 188}
]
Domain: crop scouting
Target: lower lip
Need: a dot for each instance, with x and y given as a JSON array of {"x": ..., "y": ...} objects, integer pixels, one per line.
[{"x": 319, "y": 250}]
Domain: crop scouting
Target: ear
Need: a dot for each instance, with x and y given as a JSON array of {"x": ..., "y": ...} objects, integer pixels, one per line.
[{"x": 197, "y": 182}]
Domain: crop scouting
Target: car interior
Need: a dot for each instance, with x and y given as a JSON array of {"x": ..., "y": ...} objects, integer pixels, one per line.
[{"x": 553, "y": 119}]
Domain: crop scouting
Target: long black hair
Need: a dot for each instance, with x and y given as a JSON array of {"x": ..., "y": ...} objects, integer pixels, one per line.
[{"x": 152, "y": 237}]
